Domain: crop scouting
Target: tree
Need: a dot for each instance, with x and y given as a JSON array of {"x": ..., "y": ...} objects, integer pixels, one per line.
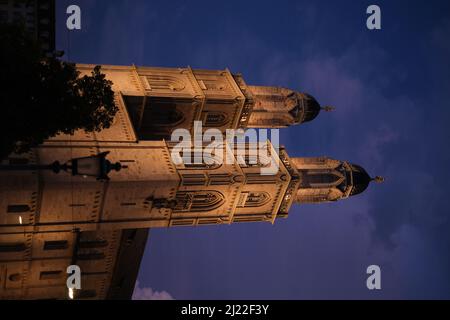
[{"x": 42, "y": 96}]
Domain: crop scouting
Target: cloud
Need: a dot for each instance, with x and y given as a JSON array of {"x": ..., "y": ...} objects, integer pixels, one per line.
[
  {"x": 439, "y": 37},
  {"x": 379, "y": 126},
  {"x": 385, "y": 131},
  {"x": 149, "y": 294}
]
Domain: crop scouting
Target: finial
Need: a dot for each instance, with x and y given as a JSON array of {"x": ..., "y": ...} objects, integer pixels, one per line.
[
  {"x": 328, "y": 108},
  {"x": 378, "y": 179}
]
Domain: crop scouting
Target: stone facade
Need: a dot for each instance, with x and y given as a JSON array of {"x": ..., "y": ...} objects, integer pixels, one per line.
[{"x": 49, "y": 221}]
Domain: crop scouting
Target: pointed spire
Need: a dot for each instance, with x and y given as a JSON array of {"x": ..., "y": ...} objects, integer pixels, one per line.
[
  {"x": 328, "y": 108},
  {"x": 378, "y": 179}
]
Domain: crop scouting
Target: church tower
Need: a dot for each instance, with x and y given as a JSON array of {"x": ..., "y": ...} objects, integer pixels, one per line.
[
  {"x": 56, "y": 210},
  {"x": 159, "y": 100},
  {"x": 276, "y": 107},
  {"x": 324, "y": 179}
]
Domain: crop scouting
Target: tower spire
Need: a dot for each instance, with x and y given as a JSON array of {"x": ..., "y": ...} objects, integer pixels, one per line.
[
  {"x": 378, "y": 179},
  {"x": 328, "y": 108}
]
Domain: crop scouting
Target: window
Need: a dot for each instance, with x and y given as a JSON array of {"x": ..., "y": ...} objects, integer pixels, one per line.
[
  {"x": 50, "y": 275},
  {"x": 91, "y": 256},
  {"x": 164, "y": 113},
  {"x": 12, "y": 247},
  {"x": 216, "y": 119},
  {"x": 154, "y": 117},
  {"x": 77, "y": 205},
  {"x": 165, "y": 82},
  {"x": 191, "y": 161},
  {"x": 318, "y": 195},
  {"x": 321, "y": 178},
  {"x": 128, "y": 204},
  {"x": 270, "y": 97},
  {"x": 254, "y": 158},
  {"x": 95, "y": 243},
  {"x": 199, "y": 201},
  {"x": 221, "y": 179},
  {"x": 85, "y": 294},
  {"x": 257, "y": 199},
  {"x": 18, "y": 161},
  {"x": 56, "y": 245},
  {"x": 131, "y": 235},
  {"x": 135, "y": 106},
  {"x": 18, "y": 208},
  {"x": 193, "y": 179},
  {"x": 248, "y": 218},
  {"x": 248, "y": 160},
  {"x": 15, "y": 277}
]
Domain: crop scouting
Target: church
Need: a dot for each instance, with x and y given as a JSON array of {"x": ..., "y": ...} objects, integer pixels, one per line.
[{"x": 89, "y": 199}]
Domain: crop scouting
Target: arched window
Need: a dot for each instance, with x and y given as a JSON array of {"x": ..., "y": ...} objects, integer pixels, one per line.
[
  {"x": 216, "y": 119},
  {"x": 165, "y": 82},
  {"x": 271, "y": 97},
  {"x": 257, "y": 199},
  {"x": 15, "y": 277},
  {"x": 207, "y": 201},
  {"x": 208, "y": 162},
  {"x": 324, "y": 178},
  {"x": 291, "y": 101},
  {"x": 313, "y": 196},
  {"x": 213, "y": 85},
  {"x": 163, "y": 114},
  {"x": 199, "y": 201},
  {"x": 254, "y": 160},
  {"x": 93, "y": 243},
  {"x": 321, "y": 178},
  {"x": 12, "y": 247}
]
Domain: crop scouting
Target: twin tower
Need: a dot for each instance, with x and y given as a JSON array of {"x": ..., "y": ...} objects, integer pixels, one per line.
[
  {"x": 160, "y": 100},
  {"x": 52, "y": 217},
  {"x": 153, "y": 191}
]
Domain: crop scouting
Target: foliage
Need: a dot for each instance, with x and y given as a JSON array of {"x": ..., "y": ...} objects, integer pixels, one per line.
[{"x": 42, "y": 96}]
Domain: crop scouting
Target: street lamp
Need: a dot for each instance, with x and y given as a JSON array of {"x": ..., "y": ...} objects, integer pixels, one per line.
[{"x": 96, "y": 166}]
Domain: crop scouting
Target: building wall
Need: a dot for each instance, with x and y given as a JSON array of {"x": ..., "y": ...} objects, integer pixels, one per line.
[
  {"x": 151, "y": 96},
  {"x": 34, "y": 265},
  {"x": 88, "y": 218}
]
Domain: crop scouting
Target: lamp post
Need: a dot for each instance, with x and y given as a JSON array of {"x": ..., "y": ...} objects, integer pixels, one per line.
[{"x": 93, "y": 166}]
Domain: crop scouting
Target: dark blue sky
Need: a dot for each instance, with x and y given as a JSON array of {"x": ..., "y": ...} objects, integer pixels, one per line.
[{"x": 391, "y": 89}]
